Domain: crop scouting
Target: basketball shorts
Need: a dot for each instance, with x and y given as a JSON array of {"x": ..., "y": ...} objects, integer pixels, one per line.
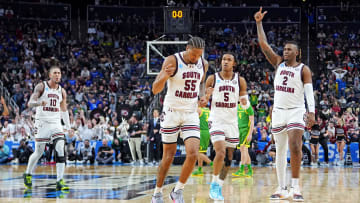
[
  {"x": 172, "y": 122},
  {"x": 287, "y": 119},
  {"x": 243, "y": 135},
  {"x": 204, "y": 140},
  {"x": 47, "y": 131},
  {"x": 229, "y": 132}
]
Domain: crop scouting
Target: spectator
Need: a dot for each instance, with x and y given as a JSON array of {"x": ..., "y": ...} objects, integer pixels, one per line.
[
  {"x": 154, "y": 137},
  {"x": 70, "y": 145},
  {"x": 105, "y": 153},
  {"x": 87, "y": 132},
  {"x": 87, "y": 153},
  {"x": 4, "y": 152}
]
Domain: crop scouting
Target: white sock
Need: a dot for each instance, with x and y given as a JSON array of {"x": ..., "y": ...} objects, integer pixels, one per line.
[
  {"x": 157, "y": 190},
  {"x": 179, "y": 186},
  {"x": 281, "y": 142},
  {"x": 295, "y": 182},
  {"x": 215, "y": 178},
  {"x": 60, "y": 168},
  {"x": 220, "y": 182}
]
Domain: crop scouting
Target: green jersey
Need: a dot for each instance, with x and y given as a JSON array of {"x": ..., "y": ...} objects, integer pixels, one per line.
[
  {"x": 243, "y": 116},
  {"x": 204, "y": 116}
]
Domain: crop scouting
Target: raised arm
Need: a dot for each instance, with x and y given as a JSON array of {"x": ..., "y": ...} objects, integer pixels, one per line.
[
  {"x": 33, "y": 101},
  {"x": 168, "y": 69},
  {"x": 270, "y": 55}
]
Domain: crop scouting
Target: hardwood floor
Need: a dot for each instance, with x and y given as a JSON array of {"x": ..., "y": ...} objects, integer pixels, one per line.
[{"x": 92, "y": 184}]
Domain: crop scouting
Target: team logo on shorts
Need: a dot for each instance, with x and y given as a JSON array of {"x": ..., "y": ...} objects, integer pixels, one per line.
[{"x": 209, "y": 124}]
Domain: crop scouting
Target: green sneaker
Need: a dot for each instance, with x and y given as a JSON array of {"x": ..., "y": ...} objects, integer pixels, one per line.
[
  {"x": 60, "y": 185},
  {"x": 212, "y": 164},
  {"x": 27, "y": 180},
  {"x": 27, "y": 193},
  {"x": 249, "y": 173},
  {"x": 239, "y": 173},
  {"x": 197, "y": 173}
]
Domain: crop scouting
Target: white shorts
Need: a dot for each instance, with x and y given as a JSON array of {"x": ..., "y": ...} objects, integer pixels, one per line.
[
  {"x": 224, "y": 131},
  {"x": 173, "y": 121},
  {"x": 47, "y": 132},
  {"x": 287, "y": 119}
]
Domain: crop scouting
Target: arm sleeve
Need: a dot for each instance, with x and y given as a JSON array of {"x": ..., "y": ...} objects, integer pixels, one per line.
[{"x": 309, "y": 97}]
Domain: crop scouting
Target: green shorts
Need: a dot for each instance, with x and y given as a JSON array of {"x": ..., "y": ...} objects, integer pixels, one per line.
[
  {"x": 243, "y": 135},
  {"x": 204, "y": 140}
]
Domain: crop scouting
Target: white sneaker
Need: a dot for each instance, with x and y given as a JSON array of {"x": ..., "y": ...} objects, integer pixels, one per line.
[
  {"x": 295, "y": 194},
  {"x": 281, "y": 193},
  {"x": 141, "y": 162}
]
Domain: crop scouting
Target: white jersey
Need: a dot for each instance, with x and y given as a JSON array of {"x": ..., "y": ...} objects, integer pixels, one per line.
[
  {"x": 289, "y": 87},
  {"x": 183, "y": 87},
  {"x": 51, "y": 111},
  {"x": 225, "y": 99}
]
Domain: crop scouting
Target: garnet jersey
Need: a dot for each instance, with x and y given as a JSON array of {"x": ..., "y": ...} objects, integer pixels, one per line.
[
  {"x": 225, "y": 99},
  {"x": 51, "y": 111},
  {"x": 289, "y": 87},
  {"x": 184, "y": 85}
]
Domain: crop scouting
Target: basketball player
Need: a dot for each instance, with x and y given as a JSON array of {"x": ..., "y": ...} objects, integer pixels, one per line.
[
  {"x": 50, "y": 102},
  {"x": 204, "y": 140},
  {"x": 246, "y": 126},
  {"x": 182, "y": 72},
  {"x": 226, "y": 88},
  {"x": 292, "y": 80}
]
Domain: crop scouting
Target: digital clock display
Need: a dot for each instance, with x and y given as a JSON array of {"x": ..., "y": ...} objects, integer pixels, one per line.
[{"x": 177, "y": 20}]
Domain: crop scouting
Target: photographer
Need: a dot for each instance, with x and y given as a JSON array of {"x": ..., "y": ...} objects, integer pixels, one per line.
[
  {"x": 23, "y": 152},
  {"x": 87, "y": 153},
  {"x": 105, "y": 153}
]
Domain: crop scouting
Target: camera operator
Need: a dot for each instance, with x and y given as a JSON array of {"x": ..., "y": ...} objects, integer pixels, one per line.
[{"x": 23, "y": 152}]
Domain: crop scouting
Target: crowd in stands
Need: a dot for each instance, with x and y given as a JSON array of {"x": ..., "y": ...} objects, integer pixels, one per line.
[{"x": 109, "y": 92}]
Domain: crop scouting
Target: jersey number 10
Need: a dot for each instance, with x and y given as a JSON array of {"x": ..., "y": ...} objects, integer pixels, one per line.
[{"x": 52, "y": 102}]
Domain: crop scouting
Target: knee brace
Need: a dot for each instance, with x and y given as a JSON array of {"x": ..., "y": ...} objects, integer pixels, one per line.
[{"x": 59, "y": 144}]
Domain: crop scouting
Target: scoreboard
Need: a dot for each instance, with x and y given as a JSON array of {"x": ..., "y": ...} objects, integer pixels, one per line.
[{"x": 177, "y": 20}]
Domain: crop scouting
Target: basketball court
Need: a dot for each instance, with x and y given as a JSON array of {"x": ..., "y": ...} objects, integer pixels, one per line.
[{"x": 112, "y": 183}]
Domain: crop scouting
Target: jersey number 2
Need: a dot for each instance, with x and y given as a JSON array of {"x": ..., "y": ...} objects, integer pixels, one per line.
[
  {"x": 52, "y": 102},
  {"x": 285, "y": 80},
  {"x": 190, "y": 85}
]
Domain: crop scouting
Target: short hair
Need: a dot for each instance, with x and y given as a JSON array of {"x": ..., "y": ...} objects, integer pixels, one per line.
[
  {"x": 229, "y": 53},
  {"x": 196, "y": 42},
  {"x": 294, "y": 43},
  {"x": 54, "y": 63}
]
